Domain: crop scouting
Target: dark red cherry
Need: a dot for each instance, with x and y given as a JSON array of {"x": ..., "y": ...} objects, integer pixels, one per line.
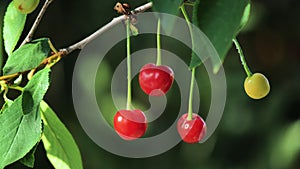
[
  {"x": 156, "y": 80},
  {"x": 130, "y": 124},
  {"x": 191, "y": 131}
]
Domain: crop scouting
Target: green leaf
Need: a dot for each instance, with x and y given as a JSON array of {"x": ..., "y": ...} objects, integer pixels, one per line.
[
  {"x": 28, "y": 159},
  {"x": 195, "y": 61},
  {"x": 35, "y": 90},
  {"x": 2, "y": 9},
  {"x": 245, "y": 17},
  {"x": 60, "y": 146},
  {"x": 27, "y": 57},
  {"x": 285, "y": 149},
  {"x": 167, "y": 6},
  {"x": 19, "y": 132},
  {"x": 134, "y": 30},
  {"x": 221, "y": 21},
  {"x": 14, "y": 22},
  {"x": 7, "y": 104}
]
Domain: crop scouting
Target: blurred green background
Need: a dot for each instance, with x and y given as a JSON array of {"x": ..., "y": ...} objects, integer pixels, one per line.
[{"x": 253, "y": 134}]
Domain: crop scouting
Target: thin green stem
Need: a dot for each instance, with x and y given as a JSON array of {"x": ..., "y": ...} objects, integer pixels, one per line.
[
  {"x": 53, "y": 61},
  {"x": 158, "y": 59},
  {"x": 184, "y": 13},
  {"x": 189, "y": 3},
  {"x": 242, "y": 57},
  {"x": 52, "y": 46},
  {"x": 128, "y": 105},
  {"x": 190, "y": 110},
  {"x": 16, "y": 88},
  {"x": 5, "y": 94}
]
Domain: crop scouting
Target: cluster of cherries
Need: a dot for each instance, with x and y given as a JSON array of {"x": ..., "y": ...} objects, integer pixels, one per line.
[{"x": 156, "y": 81}]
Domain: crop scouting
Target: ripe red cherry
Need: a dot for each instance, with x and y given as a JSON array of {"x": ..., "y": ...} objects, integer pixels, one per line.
[
  {"x": 156, "y": 80},
  {"x": 130, "y": 124},
  {"x": 191, "y": 131}
]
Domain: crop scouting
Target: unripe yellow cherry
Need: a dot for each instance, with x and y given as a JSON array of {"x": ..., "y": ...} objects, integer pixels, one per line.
[
  {"x": 26, "y": 6},
  {"x": 257, "y": 86}
]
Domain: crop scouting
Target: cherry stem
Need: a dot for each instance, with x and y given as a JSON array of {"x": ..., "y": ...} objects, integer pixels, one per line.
[
  {"x": 184, "y": 13},
  {"x": 242, "y": 57},
  {"x": 128, "y": 105},
  {"x": 158, "y": 59},
  {"x": 52, "y": 47},
  {"x": 190, "y": 110}
]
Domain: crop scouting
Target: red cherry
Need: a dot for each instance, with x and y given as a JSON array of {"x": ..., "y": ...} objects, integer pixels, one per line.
[
  {"x": 191, "y": 131},
  {"x": 156, "y": 80},
  {"x": 130, "y": 124}
]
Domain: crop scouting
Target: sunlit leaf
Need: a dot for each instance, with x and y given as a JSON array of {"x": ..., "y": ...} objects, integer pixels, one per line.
[{"x": 61, "y": 148}]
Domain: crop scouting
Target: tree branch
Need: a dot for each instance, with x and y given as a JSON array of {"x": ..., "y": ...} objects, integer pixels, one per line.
[
  {"x": 54, "y": 58},
  {"x": 115, "y": 21},
  {"x": 36, "y": 22}
]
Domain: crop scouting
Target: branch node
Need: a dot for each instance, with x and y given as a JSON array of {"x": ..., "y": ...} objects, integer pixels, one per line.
[{"x": 113, "y": 22}]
